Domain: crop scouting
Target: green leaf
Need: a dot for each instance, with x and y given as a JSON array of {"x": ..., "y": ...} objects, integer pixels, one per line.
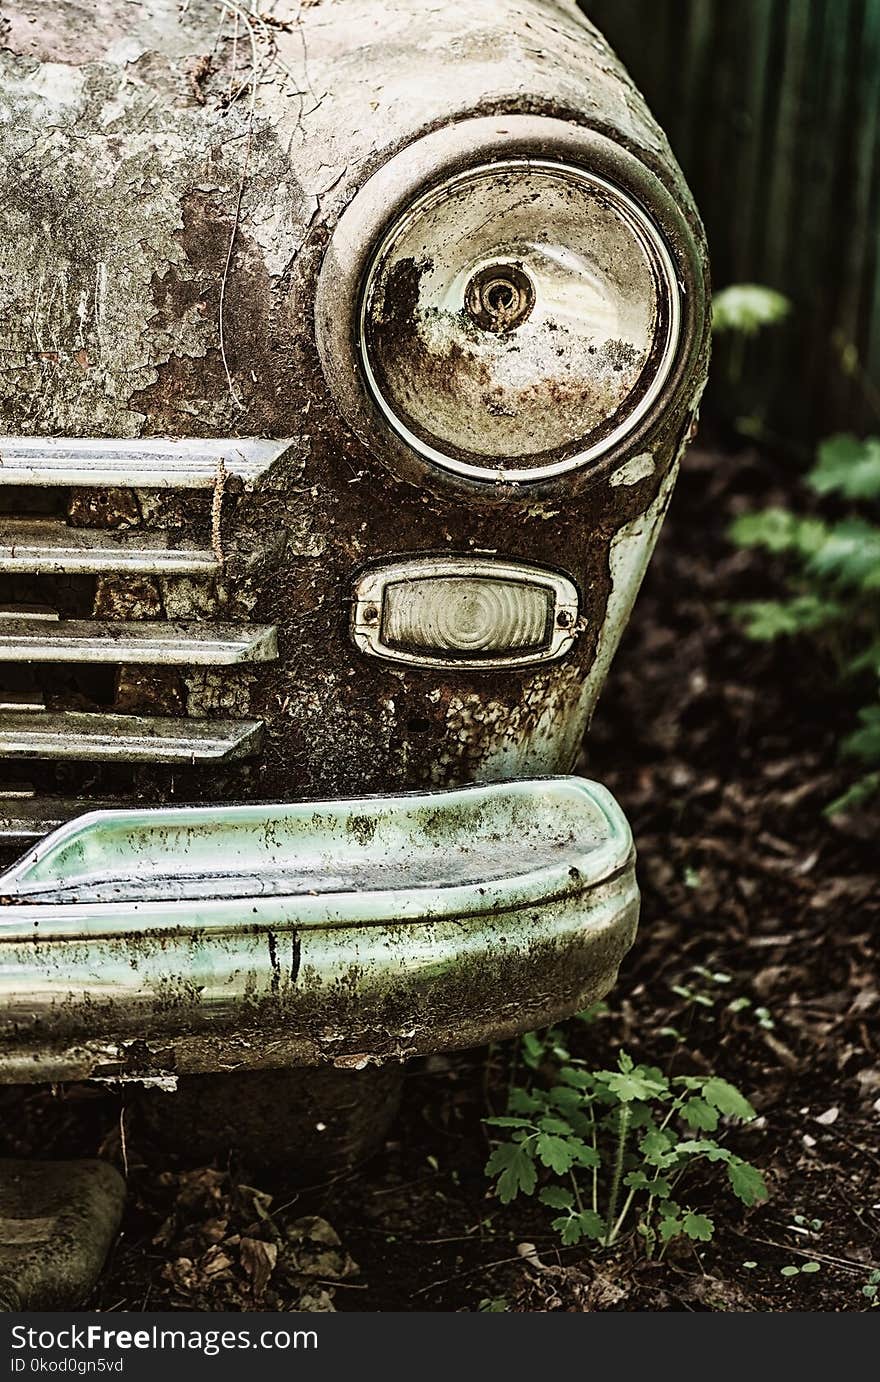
[
  {"x": 594, "y": 1011},
  {"x": 848, "y": 467},
  {"x": 506, "y": 1122},
  {"x": 765, "y": 620},
  {"x": 555, "y": 1152},
  {"x": 493, "y": 1305},
  {"x": 865, "y": 742},
  {"x": 640, "y": 1115},
  {"x": 555, "y": 1125},
  {"x": 669, "y": 1228},
  {"x": 556, "y": 1197},
  {"x": 704, "y": 1146},
  {"x": 636, "y": 1180},
  {"x": 569, "y": 1228},
  {"x": 728, "y": 1100},
  {"x": 592, "y": 1224},
  {"x": 532, "y": 1050},
  {"x": 658, "y": 1148},
  {"x": 746, "y": 1181},
  {"x": 566, "y": 1099},
  {"x": 697, "y": 1113},
  {"x": 779, "y": 530},
  {"x": 809, "y": 1267},
  {"x": 515, "y": 1170},
  {"x": 698, "y": 1227},
  {"x": 584, "y": 1155},
  {"x": 865, "y": 660},
  {"x": 630, "y": 1085},
  {"x": 863, "y": 790},
  {"x": 849, "y": 557},
  {"x": 577, "y": 1079},
  {"x": 789, "y": 1271},
  {"x": 747, "y": 307},
  {"x": 521, "y": 1101}
]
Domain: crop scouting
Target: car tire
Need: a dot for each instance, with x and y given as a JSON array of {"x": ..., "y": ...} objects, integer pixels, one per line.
[{"x": 309, "y": 1124}]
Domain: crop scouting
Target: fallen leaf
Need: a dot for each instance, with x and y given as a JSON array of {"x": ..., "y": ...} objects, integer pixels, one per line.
[
  {"x": 830, "y": 1116},
  {"x": 258, "y": 1260}
]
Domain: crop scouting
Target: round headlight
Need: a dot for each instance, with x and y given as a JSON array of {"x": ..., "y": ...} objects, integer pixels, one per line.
[{"x": 519, "y": 319}]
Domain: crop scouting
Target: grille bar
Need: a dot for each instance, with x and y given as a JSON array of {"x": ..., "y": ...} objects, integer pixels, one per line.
[
  {"x": 75, "y": 735},
  {"x": 50, "y": 547},
  {"x": 147, "y": 462},
  {"x": 37, "y": 545},
  {"x": 117, "y": 641}
]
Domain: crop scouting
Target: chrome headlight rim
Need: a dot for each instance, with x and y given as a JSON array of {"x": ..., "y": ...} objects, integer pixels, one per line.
[
  {"x": 655, "y": 247},
  {"x": 419, "y": 170}
]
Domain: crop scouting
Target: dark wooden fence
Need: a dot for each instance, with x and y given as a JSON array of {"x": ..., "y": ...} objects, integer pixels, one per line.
[{"x": 773, "y": 110}]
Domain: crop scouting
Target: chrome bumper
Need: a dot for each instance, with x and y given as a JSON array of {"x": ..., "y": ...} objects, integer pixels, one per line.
[{"x": 149, "y": 943}]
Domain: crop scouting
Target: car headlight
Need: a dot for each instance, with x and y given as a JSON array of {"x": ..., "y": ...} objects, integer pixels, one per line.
[
  {"x": 518, "y": 320},
  {"x": 512, "y": 298}
]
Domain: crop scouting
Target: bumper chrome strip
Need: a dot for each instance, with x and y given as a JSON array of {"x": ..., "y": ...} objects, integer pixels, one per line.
[{"x": 317, "y": 930}]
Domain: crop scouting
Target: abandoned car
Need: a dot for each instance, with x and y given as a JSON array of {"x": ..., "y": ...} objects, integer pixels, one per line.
[{"x": 349, "y": 349}]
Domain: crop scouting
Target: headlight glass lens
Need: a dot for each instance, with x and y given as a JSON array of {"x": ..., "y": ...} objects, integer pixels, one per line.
[{"x": 519, "y": 320}]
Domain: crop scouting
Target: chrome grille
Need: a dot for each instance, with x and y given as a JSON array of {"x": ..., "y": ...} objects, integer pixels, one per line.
[{"x": 36, "y": 548}]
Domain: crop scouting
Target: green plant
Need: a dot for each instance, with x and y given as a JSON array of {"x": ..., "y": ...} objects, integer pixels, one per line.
[
  {"x": 493, "y": 1305},
  {"x": 709, "y": 992},
  {"x": 742, "y": 311},
  {"x": 805, "y": 1269},
  {"x": 746, "y": 308},
  {"x": 871, "y": 1289},
  {"x": 602, "y": 1147},
  {"x": 834, "y": 588}
]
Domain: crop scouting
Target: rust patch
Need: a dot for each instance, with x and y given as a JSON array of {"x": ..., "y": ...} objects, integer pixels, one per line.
[
  {"x": 149, "y": 691},
  {"x": 103, "y": 508},
  {"x": 128, "y": 597}
]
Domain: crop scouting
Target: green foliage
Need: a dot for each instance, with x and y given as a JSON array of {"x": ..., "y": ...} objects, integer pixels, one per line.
[
  {"x": 848, "y": 467},
  {"x": 740, "y": 313},
  {"x": 834, "y": 587},
  {"x": 871, "y": 1289},
  {"x": 604, "y": 1147},
  {"x": 745, "y": 308},
  {"x": 493, "y": 1305},
  {"x": 709, "y": 992}
]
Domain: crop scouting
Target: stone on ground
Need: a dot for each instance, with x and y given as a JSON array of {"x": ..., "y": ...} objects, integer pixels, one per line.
[{"x": 57, "y": 1221}]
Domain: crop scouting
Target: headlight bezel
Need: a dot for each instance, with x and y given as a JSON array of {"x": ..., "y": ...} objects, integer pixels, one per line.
[{"x": 417, "y": 171}]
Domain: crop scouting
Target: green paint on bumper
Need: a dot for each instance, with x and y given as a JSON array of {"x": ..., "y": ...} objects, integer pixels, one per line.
[{"x": 152, "y": 942}]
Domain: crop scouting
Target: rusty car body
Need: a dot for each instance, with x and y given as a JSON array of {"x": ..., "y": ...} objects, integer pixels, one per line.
[{"x": 349, "y": 349}]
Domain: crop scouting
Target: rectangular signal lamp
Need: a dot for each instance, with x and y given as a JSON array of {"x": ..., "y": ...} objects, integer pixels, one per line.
[{"x": 464, "y": 611}]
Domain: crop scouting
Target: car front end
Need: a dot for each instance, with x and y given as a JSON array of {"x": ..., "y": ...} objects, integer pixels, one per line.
[{"x": 349, "y": 357}]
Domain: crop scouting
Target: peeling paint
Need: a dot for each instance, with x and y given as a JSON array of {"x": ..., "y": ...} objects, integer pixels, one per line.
[
  {"x": 111, "y": 265},
  {"x": 138, "y": 213},
  {"x": 633, "y": 470},
  {"x": 628, "y": 557}
]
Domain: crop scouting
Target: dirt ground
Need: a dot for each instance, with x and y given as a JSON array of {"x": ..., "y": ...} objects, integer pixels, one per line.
[{"x": 722, "y": 753}]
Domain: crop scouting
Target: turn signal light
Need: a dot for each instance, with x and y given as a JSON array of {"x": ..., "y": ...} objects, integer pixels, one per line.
[{"x": 460, "y": 611}]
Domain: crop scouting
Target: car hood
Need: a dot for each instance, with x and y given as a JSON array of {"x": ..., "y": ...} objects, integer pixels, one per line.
[{"x": 170, "y": 175}]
